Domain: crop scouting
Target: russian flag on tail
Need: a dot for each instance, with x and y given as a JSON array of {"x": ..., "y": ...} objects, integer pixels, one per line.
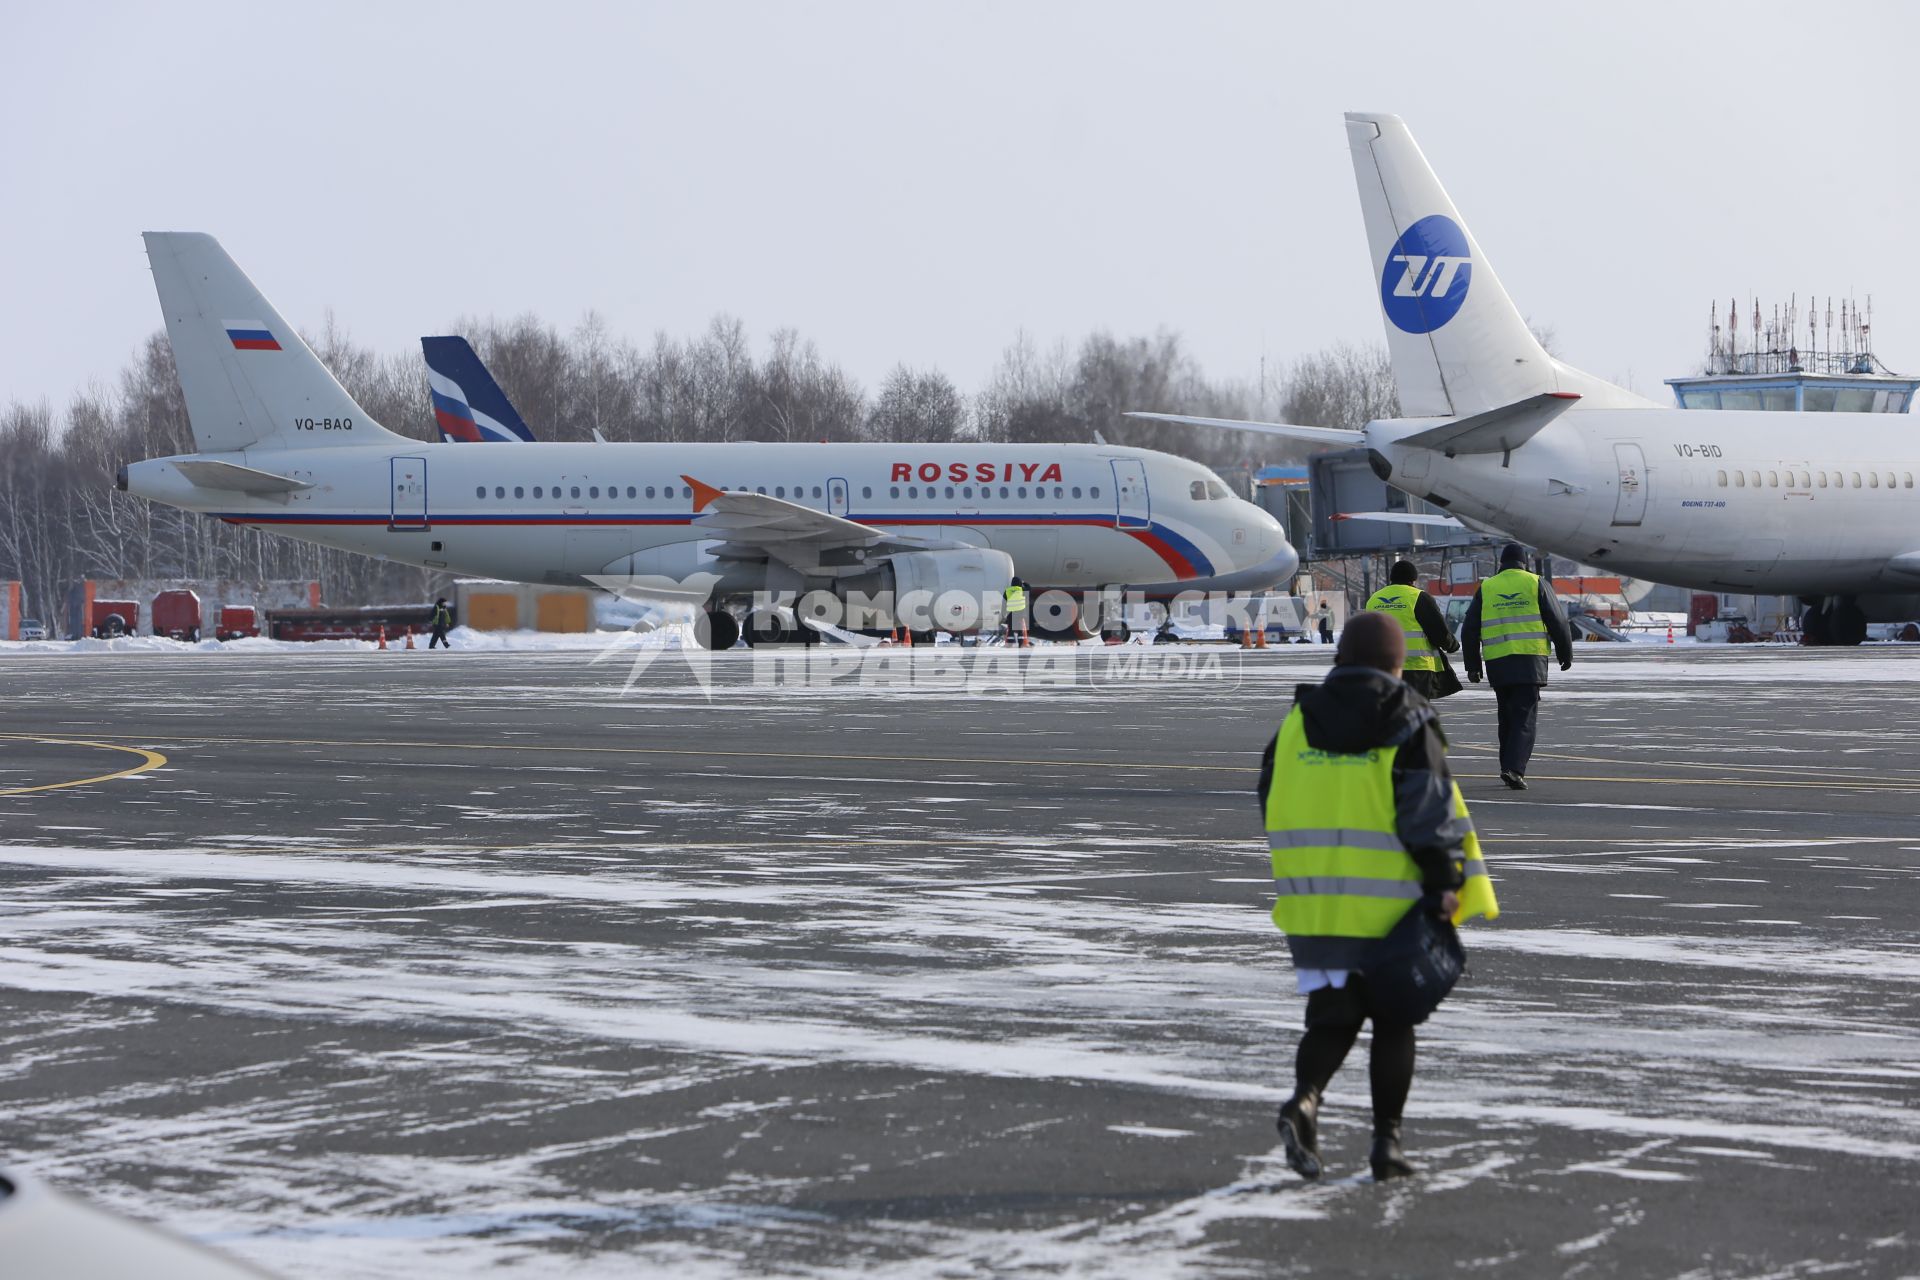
[
  {"x": 250, "y": 335},
  {"x": 468, "y": 404}
]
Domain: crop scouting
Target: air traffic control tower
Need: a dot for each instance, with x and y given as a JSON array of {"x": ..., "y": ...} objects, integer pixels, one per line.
[{"x": 1821, "y": 362}]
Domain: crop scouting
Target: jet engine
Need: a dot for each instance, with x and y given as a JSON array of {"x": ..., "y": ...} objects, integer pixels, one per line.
[{"x": 958, "y": 590}]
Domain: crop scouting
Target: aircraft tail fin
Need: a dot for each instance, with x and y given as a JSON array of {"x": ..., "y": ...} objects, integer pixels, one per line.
[
  {"x": 468, "y": 404},
  {"x": 1458, "y": 343},
  {"x": 249, "y": 380}
]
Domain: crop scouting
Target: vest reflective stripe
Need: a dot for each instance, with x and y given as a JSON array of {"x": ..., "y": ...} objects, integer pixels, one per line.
[
  {"x": 1016, "y": 599},
  {"x": 1335, "y": 837},
  {"x": 1342, "y": 875},
  {"x": 1398, "y": 602},
  {"x": 1510, "y": 622}
]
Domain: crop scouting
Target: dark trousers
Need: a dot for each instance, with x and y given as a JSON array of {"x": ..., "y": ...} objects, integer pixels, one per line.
[
  {"x": 1421, "y": 682},
  {"x": 1519, "y": 718},
  {"x": 439, "y": 638},
  {"x": 1334, "y": 1015}
]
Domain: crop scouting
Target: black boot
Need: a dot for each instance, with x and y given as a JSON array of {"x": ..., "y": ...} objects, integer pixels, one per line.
[
  {"x": 1299, "y": 1126},
  {"x": 1387, "y": 1159},
  {"x": 1515, "y": 781}
]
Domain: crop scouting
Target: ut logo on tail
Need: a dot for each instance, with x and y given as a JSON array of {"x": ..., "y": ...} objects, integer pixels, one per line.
[{"x": 1427, "y": 274}]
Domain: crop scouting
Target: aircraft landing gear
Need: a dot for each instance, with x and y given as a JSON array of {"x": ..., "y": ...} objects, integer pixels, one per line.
[
  {"x": 1833, "y": 621},
  {"x": 716, "y": 630}
]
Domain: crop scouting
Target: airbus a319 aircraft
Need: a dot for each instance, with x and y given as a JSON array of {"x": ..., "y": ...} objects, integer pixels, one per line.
[
  {"x": 1818, "y": 505},
  {"x": 284, "y": 448}
]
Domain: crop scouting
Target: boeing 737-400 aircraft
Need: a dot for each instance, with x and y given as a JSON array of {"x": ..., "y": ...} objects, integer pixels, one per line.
[
  {"x": 1818, "y": 505},
  {"x": 283, "y": 447}
]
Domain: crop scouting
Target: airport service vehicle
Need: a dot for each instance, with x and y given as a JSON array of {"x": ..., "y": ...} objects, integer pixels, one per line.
[
  {"x": 283, "y": 448},
  {"x": 176, "y": 615},
  {"x": 1509, "y": 439},
  {"x": 109, "y": 618},
  {"x": 237, "y": 622},
  {"x": 32, "y": 629}
]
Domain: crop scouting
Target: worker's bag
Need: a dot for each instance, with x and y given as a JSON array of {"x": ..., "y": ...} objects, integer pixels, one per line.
[
  {"x": 1411, "y": 970},
  {"x": 1445, "y": 682}
]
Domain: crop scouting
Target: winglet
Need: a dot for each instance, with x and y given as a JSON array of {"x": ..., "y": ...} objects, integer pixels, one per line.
[{"x": 702, "y": 493}]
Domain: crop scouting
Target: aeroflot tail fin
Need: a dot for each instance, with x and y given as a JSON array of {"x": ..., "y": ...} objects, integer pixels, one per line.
[
  {"x": 468, "y": 404},
  {"x": 249, "y": 381},
  {"x": 1458, "y": 343}
]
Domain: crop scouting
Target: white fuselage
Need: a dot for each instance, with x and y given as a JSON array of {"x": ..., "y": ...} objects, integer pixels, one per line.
[
  {"x": 1072, "y": 516},
  {"x": 1810, "y": 504}
]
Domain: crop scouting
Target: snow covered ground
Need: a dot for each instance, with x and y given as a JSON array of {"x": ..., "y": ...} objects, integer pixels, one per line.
[{"x": 472, "y": 965}]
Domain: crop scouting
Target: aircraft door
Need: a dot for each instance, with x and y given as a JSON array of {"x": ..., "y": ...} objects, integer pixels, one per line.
[
  {"x": 836, "y": 497},
  {"x": 1630, "y": 504},
  {"x": 409, "y": 493},
  {"x": 1132, "y": 507}
]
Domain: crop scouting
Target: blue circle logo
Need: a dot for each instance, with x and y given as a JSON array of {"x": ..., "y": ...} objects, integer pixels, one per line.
[{"x": 1424, "y": 280}]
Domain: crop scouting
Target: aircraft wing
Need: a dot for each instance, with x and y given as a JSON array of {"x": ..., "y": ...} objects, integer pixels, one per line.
[
  {"x": 1315, "y": 435},
  {"x": 1403, "y": 517},
  {"x": 750, "y": 525}
]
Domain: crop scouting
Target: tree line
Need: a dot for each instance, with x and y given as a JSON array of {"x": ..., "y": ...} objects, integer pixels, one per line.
[{"x": 62, "y": 519}]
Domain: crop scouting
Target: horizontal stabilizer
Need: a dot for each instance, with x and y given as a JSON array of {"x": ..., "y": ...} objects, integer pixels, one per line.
[
  {"x": 1403, "y": 517},
  {"x": 1495, "y": 430},
  {"x": 1317, "y": 435},
  {"x": 229, "y": 475}
]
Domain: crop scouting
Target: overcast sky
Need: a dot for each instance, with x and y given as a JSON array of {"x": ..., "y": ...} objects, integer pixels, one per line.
[{"x": 917, "y": 182}]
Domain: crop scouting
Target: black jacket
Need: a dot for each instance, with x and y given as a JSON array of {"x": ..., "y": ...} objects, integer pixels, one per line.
[
  {"x": 1519, "y": 668},
  {"x": 1360, "y": 709},
  {"x": 1433, "y": 624}
]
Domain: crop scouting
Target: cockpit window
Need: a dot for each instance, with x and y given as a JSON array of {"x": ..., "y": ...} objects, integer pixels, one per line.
[
  {"x": 1198, "y": 490},
  {"x": 1216, "y": 490}
]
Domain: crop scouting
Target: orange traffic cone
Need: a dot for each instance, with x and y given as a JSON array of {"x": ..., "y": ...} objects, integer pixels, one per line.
[
  {"x": 1669, "y": 635},
  {"x": 409, "y": 637},
  {"x": 383, "y": 635},
  {"x": 893, "y": 636},
  {"x": 1260, "y": 637},
  {"x": 908, "y": 632}
]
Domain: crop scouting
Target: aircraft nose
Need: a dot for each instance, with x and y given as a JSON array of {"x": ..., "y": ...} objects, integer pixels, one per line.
[{"x": 1266, "y": 543}]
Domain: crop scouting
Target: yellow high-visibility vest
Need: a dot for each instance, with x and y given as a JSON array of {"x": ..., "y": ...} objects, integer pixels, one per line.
[
  {"x": 1510, "y": 621},
  {"x": 1399, "y": 600},
  {"x": 1343, "y": 877},
  {"x": 1016, "y": 597}
]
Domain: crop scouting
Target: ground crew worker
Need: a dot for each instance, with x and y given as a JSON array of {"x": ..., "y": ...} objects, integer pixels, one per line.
[
  {"x": 1421, "y": 623},
  {"x": 1510, "y": 623},
  {"x": 442, "y": 619},
  {"x": 1324, "y": 617},
  {"x": 1365, "y": 824},
  {"x": 1015, "y": 599}
]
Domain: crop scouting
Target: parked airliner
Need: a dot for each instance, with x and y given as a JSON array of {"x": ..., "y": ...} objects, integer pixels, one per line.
[
  {"x": 284, "y": 448},
  {"x": 1818, "y": 505}
]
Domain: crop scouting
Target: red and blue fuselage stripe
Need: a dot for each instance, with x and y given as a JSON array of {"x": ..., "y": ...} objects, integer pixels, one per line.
[{"x": 1180, "y": 554}]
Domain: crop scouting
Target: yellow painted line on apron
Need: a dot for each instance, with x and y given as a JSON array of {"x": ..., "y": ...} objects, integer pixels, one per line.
[
  {"x": 823, "y": 760},
  {"x": 148, "y": 760}
]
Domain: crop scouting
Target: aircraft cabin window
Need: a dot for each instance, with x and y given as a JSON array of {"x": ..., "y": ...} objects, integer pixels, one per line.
[
  {"x": 949, "y": 491},
  {"x": 499, "y": 491},
  {"x": 1739, "y": 479},
  {"x": 1773, "y": 479},
  {"x": 1021, "y": 491},
  {"x": 1723, "y": 479},
  {"x": 1906, "y": 479},
  {"x": 967, "y": 492},
  {"x": 1873, "y": 479},
  {"x": 632, "y": 492},
  {"x": 1076, "y": 491},
  {"x": 1197, "y": 490},
  {"x": 1094, "y": 492},
  {"x": 913, "y": 491},
  {"x": 649, "y": 491},
  {"x": 779, "y": 491},
  {"x": 481, "y": 492},
  {"x": 1856, "y": 479},
  {"x": 1889, "y": 479},
  {"x": 894, "y": 492},
  {"x": 1806, "y": 481},
  {"x": 866, "y": 491},
  {"x": 1059, "y": 491},
  {"x": 1003, "y": 491},
  {"x": 519, "y": 492},
  {"x": 1822, "y": 478},
  {"x": 536, "y": 491}
]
